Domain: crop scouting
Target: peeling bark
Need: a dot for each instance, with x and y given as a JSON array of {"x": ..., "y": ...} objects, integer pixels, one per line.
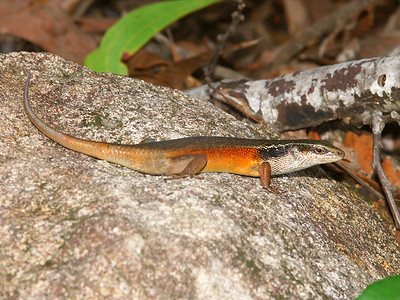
[{"x": 350, "y": 91}]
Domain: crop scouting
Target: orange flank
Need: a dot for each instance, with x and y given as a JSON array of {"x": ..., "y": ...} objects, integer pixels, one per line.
[{"x": 243, "y": 161}]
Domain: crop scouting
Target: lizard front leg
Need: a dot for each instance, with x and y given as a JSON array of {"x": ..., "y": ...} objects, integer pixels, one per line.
[{"x": 265, "y": 175}]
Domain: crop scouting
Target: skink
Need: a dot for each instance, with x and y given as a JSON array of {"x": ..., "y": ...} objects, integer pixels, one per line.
[{"x": 193, "y": 155}]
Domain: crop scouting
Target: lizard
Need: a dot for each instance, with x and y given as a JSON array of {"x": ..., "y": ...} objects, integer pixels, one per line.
[{"x": 192, "y": 155}]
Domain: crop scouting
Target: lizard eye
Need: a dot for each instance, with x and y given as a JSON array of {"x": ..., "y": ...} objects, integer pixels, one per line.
[{"x": 319, "y": 150}]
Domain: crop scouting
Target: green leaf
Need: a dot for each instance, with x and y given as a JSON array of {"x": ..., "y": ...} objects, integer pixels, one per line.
[
  {"x": 135, "y": 29},
  {"x": 388, "y": 289}
]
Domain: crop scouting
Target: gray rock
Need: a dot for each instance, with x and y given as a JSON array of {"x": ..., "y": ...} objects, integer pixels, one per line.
[{"x": 72, "y": 226}]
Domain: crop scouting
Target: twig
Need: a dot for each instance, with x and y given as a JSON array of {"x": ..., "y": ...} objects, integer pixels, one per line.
[
  {"x": 237, "y": 17},
  {"x": 377, "y": 126},
  {"x": 327, "y": 24},
  {"x": 359, "y": 180},
  {"x": 82, "y": 8}
]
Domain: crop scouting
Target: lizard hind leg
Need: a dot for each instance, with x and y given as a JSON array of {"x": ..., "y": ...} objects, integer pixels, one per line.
[
  {"x": 188, "y": 165},
  {"x": 195, "y": 166}
]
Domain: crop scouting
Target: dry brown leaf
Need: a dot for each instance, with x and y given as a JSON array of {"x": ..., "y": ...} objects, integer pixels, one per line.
[
  {"x": 297, "y": 15},
  {"x": 46, "y": 25},
  {"x": 95, "y": 25},
  {"x": 391, "y": 173},
  {"x": 362, "y": 144},
  {"x": 152, "y": 68}
]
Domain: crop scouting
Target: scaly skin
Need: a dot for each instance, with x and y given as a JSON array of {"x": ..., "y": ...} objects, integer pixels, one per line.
[{"x": 190, "y": 156}]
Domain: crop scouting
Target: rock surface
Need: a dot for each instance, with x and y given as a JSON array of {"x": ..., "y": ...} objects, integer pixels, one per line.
[{"x": 72, "y": 226}]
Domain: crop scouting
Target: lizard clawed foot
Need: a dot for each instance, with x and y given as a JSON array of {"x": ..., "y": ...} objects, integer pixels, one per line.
[{"x": 271, "y": 190}]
